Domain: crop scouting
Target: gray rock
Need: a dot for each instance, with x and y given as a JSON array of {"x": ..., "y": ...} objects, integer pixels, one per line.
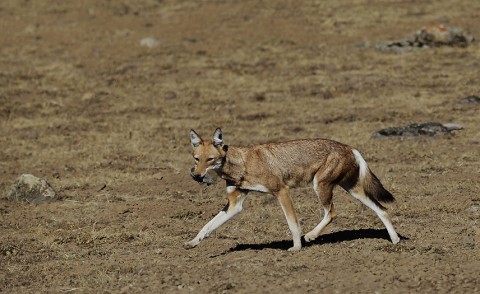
[
  {"x": 470, "y": 100},
  {"x": 429, "y": 129},
  {"x": 439, "y": 35},
  {"x": 428, "y": 37},
  {"x": 31, "y": 189}
]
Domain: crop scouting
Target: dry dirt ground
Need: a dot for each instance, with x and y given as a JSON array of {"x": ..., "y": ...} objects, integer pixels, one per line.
[{"x": 106, "y": 121}]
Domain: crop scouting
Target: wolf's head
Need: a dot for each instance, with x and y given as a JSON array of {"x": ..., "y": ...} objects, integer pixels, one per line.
[{"x": 208, "y": 155}]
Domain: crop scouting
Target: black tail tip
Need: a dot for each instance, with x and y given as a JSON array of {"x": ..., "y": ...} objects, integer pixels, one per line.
[
  {"x": 375, "y": 191},
  {"x": 385, "y": 196}
]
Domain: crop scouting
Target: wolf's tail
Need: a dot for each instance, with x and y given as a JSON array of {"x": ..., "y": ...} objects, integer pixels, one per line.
[{"x": 372, "y": 186}]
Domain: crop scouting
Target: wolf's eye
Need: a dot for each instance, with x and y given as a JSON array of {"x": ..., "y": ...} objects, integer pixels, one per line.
[
  {"x": 196, "y": 158},
  {"x": 210, "y": 159}
]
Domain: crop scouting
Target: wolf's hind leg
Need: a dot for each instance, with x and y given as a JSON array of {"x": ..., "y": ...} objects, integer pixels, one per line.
[{"x": 324, "y": 192}]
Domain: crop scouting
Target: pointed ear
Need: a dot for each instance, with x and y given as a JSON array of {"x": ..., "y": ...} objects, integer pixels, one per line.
[
  {"x": 195, "y": 139},
  {"x": 218, "y": 138}
]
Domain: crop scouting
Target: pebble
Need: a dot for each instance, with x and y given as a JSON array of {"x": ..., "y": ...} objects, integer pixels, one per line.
[
  {"x": 149, "y": 42},
  {"x": 170, "y": 95}
]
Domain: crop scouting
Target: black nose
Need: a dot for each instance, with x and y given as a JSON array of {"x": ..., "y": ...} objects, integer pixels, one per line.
[{"x": 197, "y": 177}]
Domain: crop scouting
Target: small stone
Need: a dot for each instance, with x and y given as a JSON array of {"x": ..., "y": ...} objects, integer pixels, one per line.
[
  {"x": 31, "y": 189},
  {"x": 88, "y": 96},
  {"x": 100, "y": 187},
  {"x": 452, "y": 127},
  {"x": 158, "y": 176},
  {"x": 149, "y": 42},
  {"x": 170, "y": 95}
]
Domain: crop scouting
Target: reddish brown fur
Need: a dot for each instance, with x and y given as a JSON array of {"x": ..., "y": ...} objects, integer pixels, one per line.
[
  {"x": 276, "y": 167},
  {"x": 289, "y": 164}
]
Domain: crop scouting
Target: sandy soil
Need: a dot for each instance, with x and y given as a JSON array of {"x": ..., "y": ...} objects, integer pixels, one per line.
[{"x": 106, "y": 120}]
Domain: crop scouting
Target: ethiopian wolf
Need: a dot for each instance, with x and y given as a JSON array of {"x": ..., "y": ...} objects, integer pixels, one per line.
[{"x": 276, "y": 167}]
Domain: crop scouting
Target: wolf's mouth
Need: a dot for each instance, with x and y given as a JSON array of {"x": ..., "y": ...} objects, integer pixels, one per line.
[{"x": 206, "y": 179}]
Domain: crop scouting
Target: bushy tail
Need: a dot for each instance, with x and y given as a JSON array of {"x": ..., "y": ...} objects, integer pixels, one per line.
[{"x": 372, "y": 186}]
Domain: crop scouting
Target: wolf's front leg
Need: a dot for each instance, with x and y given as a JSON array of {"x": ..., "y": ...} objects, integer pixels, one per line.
[
  {"x": 234, "y": 206},
  {"x": 287, "y": 207}
]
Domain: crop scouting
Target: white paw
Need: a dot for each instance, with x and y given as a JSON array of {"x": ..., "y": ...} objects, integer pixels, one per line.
[
  {"x": 310, "y": 237},
  {"x": 294, "y": 248},
  {"x": 395, "y": 239},
  {"x": 190, "y": 245}
]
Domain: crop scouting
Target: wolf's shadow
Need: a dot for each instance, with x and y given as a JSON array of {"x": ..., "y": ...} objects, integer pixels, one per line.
[{"x": 335, "y": 237}]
